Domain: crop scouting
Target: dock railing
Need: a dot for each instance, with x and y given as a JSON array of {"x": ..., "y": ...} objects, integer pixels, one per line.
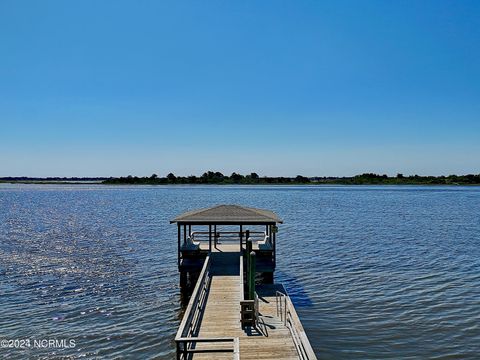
[
  {"x": 227, "y": 235},
  {"x": 187, "y": 335},
  {"x": 287, "y": 313}
]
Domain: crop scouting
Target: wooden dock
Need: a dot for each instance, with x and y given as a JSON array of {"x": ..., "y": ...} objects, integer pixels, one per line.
[
  {"x": 214, "y": 312},
  {"x": 223, "y": 320}
]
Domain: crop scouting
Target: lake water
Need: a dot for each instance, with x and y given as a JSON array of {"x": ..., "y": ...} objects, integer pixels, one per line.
[{"x": 374, "y": 272}]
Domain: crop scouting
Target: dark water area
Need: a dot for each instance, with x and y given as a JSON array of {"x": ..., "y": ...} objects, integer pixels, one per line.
[{"x": 375, "y": 272}]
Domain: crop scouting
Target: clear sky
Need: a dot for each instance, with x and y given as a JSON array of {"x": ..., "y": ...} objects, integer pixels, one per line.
[{"x": 109, "y": 88}]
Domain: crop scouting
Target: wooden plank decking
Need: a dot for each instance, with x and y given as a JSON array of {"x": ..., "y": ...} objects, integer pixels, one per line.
[{"x": 221, "y": 316}]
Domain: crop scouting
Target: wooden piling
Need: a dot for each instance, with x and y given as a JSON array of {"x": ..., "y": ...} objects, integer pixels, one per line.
[{"x": 251, "y": 277}]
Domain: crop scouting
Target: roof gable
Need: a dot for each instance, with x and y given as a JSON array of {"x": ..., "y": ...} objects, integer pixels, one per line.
[{"x": 228, "y": 214}]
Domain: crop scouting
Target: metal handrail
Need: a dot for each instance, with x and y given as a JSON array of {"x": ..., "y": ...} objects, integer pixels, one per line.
[
  {"x": 186, "y": 338},
  {"x": 280, "y": 309},
  {"x": 235, "y": 347},
  {"x": 289, "y": 316},
  {"x": 194, "y": 304}
]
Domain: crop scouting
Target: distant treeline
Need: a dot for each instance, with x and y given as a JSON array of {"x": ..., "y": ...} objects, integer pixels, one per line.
[{"x": 211, "y": 177}]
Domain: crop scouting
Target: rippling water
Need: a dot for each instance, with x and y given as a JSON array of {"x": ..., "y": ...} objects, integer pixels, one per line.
[{"x": 375, "y": 272}]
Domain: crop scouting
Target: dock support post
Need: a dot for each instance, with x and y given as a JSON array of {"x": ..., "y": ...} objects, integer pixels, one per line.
[
  {"x": 183, "y": 279},
  {"x": 274, "y": 243},
  {"x": 241, "y": 238},
  {"x": 210, "y": 238},
  {"x": 248, "y": 250},
  {"x": 178, "y": 249},
  {"x": 215, "y": 236},
  {"x": 251, "y": 277}
]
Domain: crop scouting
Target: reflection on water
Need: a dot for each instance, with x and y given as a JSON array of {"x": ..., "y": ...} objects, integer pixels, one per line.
[{"x": 375, "y": 272}]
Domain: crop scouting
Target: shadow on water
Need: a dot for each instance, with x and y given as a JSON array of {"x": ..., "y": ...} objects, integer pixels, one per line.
[
  {"x": 187, "y": 286},
  {"x": 295, "y": 289}
]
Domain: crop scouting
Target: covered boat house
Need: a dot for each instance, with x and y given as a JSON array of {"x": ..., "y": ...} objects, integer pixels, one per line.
[{"x": 227, "y": 228}]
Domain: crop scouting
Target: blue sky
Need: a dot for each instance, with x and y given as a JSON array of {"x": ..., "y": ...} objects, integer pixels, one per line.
[{"x": 109, "y": 88}]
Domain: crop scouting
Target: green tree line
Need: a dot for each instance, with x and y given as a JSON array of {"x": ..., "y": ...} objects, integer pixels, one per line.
[{"x": 216, "y": 177}]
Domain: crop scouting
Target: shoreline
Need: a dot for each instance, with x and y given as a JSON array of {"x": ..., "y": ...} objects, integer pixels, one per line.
[{"x": 311, "y": 184}]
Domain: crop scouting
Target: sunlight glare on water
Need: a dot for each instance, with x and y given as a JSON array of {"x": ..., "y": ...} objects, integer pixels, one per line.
[{"x": 374, "y": 272}]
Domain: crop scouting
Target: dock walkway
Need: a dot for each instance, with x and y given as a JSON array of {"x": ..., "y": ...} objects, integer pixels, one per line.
[
  {"x": 219, "y": 316},
  {"x": 228, "y": 315}
]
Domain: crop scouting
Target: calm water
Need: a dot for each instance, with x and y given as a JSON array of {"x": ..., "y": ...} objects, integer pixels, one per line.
[{"x": 375, "y": 272}]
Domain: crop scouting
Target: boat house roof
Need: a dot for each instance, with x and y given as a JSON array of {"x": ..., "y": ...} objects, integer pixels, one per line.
[{"x": 228, "y": 215}]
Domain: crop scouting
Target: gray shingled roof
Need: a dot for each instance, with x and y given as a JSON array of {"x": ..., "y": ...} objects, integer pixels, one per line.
[{"x": 228, "y": 214}]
